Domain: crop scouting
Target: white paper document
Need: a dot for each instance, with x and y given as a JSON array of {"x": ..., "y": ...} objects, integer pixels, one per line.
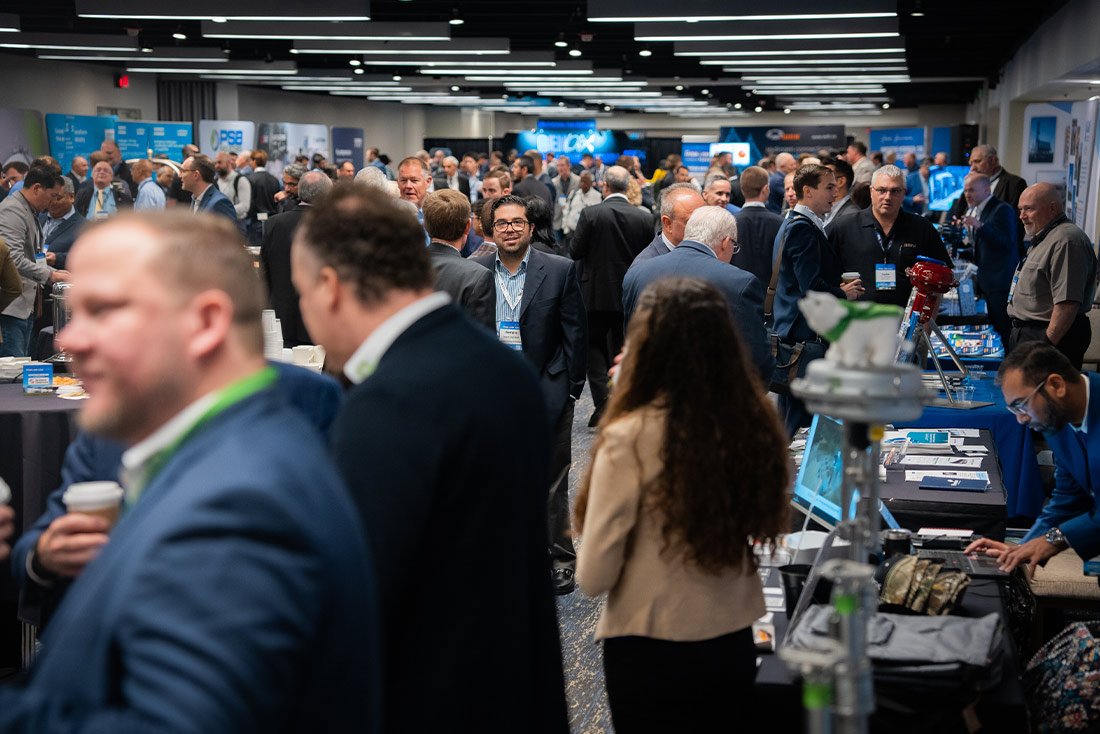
[
  {"x": 968, "y": 462},
  {"x": 912, "y": 475}
]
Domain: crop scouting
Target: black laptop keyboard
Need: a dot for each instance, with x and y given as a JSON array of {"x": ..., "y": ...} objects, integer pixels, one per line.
[{"x": 975, "y": 565}]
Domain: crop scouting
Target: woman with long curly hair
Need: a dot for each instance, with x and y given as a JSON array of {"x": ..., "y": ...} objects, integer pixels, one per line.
[{"x": 689, "y": 469}]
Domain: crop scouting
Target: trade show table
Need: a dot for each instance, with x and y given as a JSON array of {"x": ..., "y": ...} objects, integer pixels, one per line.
[{"x": 1015, "y": 447}]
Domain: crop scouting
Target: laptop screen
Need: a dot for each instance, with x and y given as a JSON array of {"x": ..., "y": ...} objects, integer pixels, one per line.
[{"x": 817, "y": 486}]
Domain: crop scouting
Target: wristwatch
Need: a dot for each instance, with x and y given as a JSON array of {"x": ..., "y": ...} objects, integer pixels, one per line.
[{"x": 1055, "y": 537}]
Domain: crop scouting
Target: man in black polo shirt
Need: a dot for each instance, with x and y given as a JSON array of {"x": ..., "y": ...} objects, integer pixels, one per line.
[{"x": 882, "y": 241}]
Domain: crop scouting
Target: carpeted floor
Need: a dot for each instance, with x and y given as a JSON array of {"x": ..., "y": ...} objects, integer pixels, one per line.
[{"x": 577, "y": 614}]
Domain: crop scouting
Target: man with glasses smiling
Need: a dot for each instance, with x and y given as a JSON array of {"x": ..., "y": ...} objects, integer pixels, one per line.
[
  {"x": 539, "y": 311},
  {"x": 882, "y": 241},
  {"x": 1046, "y": 393}
]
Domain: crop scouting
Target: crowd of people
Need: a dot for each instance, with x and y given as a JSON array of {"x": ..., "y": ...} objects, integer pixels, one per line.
[{"x": 297, "y": 554}]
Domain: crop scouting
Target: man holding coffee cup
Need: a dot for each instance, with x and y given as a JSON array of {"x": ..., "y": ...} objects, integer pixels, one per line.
[{"x": 235, "y": 593}]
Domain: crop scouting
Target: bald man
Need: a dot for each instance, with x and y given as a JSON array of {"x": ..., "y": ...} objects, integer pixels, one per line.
[
  {"x": 784, "y": 163},
  {"x": 677, "y": 204},
  {"x": 1055, "y": 284}
]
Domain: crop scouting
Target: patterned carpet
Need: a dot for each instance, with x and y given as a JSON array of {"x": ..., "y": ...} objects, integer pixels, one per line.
[{"x": 577, "y": 614}]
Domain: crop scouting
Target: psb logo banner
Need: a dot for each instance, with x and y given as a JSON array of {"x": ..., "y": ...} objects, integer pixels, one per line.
[{"x": 226, "y": 135}]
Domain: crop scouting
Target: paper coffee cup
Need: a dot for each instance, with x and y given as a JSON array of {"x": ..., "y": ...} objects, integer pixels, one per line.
[
  {"x": 94, "y": 498},
  {"x": 849, "y": 277}
]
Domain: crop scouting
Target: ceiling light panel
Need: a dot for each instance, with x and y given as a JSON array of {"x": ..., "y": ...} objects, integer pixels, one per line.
[
  {"x": 9, "y": 23},
  {"x": 69, "y": 41},
  {"x": 241, "y": 10},
  {"x": 475, "y": 46},
  {"x": 709, "y": 11},
  {"x": 769, "y": 30},
  {"x": 329, "y": 32}
]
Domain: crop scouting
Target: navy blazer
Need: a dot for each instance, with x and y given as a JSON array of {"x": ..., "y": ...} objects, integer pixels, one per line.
[
  {"x": 656, "y": 248},
  {"x": 1072, "y": 506},
  {"x": 61, "y": 239},
  {"x": 995, "y": 251},
  {"x": 809, "y": 263},
  {"x": 553, "y": 326},
  {"x": 214, "y": 201},
  {"x": 470, "y": 285},
  {"x": 756, "y": 230},
  {"x": 912, "y": 188},
  {"x": 90, "y": 459},
  {"x": 445, "y": 519},
  {"x": 742, "y": 290},
  {"x": 236, "y": 595}
]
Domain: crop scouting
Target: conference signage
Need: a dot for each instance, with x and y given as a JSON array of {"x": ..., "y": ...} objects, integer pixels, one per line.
[
  {"x": 568, "y": 138},
  {"x": 22, "y": 136},
  {"x": 696, "y": 156},
  {"x": 231, "y": 136},
  {"x": 765, "y": 141},
  {"x": 73, "y": 135},
  {"x": 284, "y": 141},
  {"x": 347, "y": 145},
  {"x": 162, "y": 139},
  {"x": 898, "y": 140}
]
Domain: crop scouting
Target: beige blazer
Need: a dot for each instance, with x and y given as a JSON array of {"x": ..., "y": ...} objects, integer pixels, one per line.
[{"x": 650, "y": 594}]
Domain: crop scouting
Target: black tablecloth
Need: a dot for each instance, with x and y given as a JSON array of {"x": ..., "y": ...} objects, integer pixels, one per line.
[{"x": 982, "y": 512}]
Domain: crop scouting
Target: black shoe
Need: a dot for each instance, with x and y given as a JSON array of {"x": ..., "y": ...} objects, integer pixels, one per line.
[
  {"x": 596, "y": 415},
  {"x": 563, "y": 581}
]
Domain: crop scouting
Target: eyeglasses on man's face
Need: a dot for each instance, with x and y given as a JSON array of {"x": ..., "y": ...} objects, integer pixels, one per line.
[
  {"x": 887, "y": 191},
  {"x": 1019, "y": 406},
  {"x": 502, "y": 225}
]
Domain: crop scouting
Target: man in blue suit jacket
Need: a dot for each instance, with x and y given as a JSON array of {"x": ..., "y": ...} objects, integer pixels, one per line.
[
  {"x": 992, "y": 226},
  {"x": 197, "y": 176},
  {"x": 91, "y": 458},
  {"x": 917, "y": 189},
  {"x": 1047, "y": 394},
  {"x": 236, "y": 593},
  {"x": 553, "y": 336},
  {"x": 710, "y": 238},
  {"x": 446, "y": 520}
]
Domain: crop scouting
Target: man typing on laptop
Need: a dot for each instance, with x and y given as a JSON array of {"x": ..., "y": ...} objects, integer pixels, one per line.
[{"x": 1044, "y": 391}]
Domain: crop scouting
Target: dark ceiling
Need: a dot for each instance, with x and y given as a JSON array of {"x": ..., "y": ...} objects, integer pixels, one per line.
[{"x": 943, "y": 39}]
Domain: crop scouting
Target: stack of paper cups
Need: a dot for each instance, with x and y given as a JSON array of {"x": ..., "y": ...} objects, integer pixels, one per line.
[{"x": 273, "y": 336}]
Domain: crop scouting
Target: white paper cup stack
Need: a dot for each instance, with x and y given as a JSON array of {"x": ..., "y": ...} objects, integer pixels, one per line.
[{"x": 273, "y": 337}]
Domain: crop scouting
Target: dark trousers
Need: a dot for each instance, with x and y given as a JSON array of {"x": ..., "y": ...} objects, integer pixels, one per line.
[
  {"x": 562, "y": 554},
  {"x": 16, "y": 333},
  {"x": 661, "y": 686},
  {"x": 792, "y": 410},
  {"x": 1074, "y": 344},
  {"x": 605, "y": 340},
  {"x": 997, "y": 301}
]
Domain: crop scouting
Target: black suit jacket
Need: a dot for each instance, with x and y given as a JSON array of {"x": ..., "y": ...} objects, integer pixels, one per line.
[
  {"x": 76, "y": 181},
  {"x": 531, "y": 186},
  {"x": 553, "y": 326},
  {"x": 61, "y": 239},
  {"x": 123, "y": 199},
  {"x": 440, "y": 182},
  {"x": 468, "y": 283},
  {"x": 442, "y": 520},
  {"x": 275, "y": 265},
  {"x": 995, "y": 248},
  {"x": 756, "y": 230},
  {"x": 607, "y": 239},
  {"x": 122, "y": 173}
]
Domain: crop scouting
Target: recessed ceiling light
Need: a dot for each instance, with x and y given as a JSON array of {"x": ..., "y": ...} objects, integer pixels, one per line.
[
  {"x": 179, "y": 36},
  {"x": 736, "y": 105},
  {"x": 574, "y": 52},
  {"x": 706, "y": 91},
  {"x": 645, "y": 52},
  {"x": 679, "y": 87},
  {"x": 504, "y": 96},
  {"x": 396, "y": 78},
  {"x": 885, "y": 105},
  {"x": 219, "y": 19},
  {"x": 786, "y": 110},
  {"x": 456, "y": 19},
  {"x": 607, "y": 108},
  {"x": 758, "y": 108},
  {"x": 917, "y": 14},
  {"x": 561, "y": 104},
  {"x": 454, "y": 88},
  {"x": 146, "y": 50},
  {"x": 360, "y": 71},
  {"x": 355, "y": 62},
  {"x": 561, "y": 43}
]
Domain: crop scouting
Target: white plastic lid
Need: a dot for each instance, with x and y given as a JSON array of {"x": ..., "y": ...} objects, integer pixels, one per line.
[{"x": 92, "y": 495}]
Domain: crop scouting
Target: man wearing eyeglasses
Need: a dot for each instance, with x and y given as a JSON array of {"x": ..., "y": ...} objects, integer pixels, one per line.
[
  {"x": 1055, "y": 283},
  {"x": 197, "y": 176},
  {"x": 539, "y": 311},
  {"x": 1046, "y": 393},
  {"x": 882, "y": 241}
]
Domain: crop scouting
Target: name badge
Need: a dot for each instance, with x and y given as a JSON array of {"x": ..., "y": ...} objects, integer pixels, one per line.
[
  {"x": 886, "y": 276},
  {"x": 1012, "y": 288},
  {"x": 508, "y": 333},
  {"x": 262, "y": 216},
  {"x": 561, "y": 201}
]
